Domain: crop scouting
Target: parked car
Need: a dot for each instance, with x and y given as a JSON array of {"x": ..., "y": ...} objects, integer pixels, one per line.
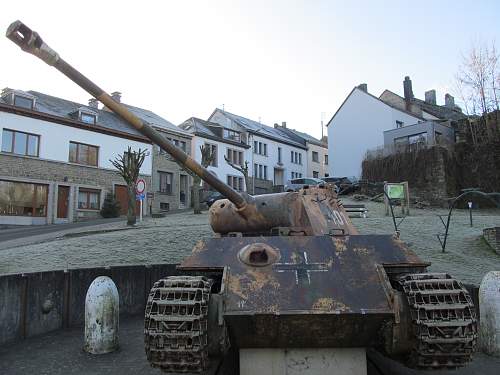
[
  {"x": 345, "y": 185},
  {"x": 212, "y": 198},
  {"x": 298, "y": 183}
]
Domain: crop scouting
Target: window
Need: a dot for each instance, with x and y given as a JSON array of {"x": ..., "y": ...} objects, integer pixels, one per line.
[
  {"x": 21, "y": 101},
  {"x": 295, "y": 157},
  {"x": 231, "y": 134},
  {"x": 89, "y": 199},
  {"x": 260, "y": 148},
  {"x": 260, "y": 171},
  {"x": 20, "y": 143},
  {"x": 213, "y": 151},
  {"x": 83, "y": 154},
  {"x": 418, "y": 138},
  {"x": 235, "y": 156},
  {"x": 23, "y": 199},
  {"x": 166, "y": 179},
  {"x": 315, "y": 156},
  {"x": 164, "y": 206},
  {"x": 315, "y": 174},
  {"x": 399, "y": 124},
  {"x": 279, "y": 156},
  {"x": 438, "y": 137},
  {"x": 235, "y": 182},
  {"x": 87, "y": 118},
  {"x": 326, "y": 161}
]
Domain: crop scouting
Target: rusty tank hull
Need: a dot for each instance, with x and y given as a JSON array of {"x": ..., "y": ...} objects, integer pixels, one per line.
[
  {"x": 321, "y": 291},
  {"x": 289, "y": 270}
]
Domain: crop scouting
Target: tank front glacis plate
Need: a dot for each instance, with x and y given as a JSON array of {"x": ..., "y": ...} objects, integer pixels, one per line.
[{"x": 322, "y": 286}]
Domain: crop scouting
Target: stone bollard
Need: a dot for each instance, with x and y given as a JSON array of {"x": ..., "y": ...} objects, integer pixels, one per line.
[
  {"x": 489, "y": 308},
  {"x": 101, "y": 316}
]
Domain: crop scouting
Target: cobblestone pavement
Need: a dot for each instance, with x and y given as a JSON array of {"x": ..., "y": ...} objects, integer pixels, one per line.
[{"x": 171, "y": 238}]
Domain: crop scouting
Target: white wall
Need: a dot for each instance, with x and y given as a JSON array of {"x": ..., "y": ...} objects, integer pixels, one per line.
[
  {"x": 55, "y": 138},
  {"x": 271, "y": 160},
  {"x": 358, "y": 126}
]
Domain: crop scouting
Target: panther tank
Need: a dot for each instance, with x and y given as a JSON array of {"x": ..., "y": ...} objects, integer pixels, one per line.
[{"x": 289, "y": 270}]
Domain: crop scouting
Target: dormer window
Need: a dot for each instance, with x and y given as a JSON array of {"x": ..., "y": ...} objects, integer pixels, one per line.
[
  {"x": 19, "y": 98},
  {"x": 232, "y": 135},
  {"x": 87, "y": 118},
  {"x": 85, "y": 115},
  {"x": 23, "y": 101}
]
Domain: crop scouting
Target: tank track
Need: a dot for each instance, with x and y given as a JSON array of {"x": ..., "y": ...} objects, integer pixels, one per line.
[
  {"x": 175, "y": 326},
  {"x": 443, "y": 321}
]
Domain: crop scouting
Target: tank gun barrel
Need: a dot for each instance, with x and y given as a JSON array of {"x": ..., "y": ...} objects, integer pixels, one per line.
[{"x": 31, "y": 42}]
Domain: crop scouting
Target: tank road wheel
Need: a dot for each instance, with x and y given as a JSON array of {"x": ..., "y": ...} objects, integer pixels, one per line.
[
  {"x": 444, "y": 325},
  {"x": 176, "y": 324}
]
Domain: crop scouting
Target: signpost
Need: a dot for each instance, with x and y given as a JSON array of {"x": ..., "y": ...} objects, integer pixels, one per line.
[
  {"x": 140, "y": 187},
  {"x": 398, "y": 191}
]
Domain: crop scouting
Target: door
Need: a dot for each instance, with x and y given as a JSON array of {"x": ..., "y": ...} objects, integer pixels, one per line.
[
  {"x": 183, "y": 190},
  {"x": 62, "y": 202},
  {"x": 121, "y": 195}
]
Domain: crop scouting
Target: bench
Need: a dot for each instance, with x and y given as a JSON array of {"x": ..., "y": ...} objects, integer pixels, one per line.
[{"x": 359, "y": 209}]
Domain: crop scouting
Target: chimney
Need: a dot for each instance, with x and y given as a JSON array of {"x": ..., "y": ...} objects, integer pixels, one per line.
[
  {"x": 283, "y": 124},
  {"x": 93, "y": 103},
  {"x": 449, "y": 101},
  {"x": 276, "y": 126},
  {"x": 117, "y": 96},
  {"x": 408, "y": 91},
  {"x": 363, "y": 87},
  {"x": 430, "y": 97}
]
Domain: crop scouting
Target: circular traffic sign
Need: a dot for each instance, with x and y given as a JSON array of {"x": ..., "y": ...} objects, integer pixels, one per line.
[{"x": 140, "y": 186}]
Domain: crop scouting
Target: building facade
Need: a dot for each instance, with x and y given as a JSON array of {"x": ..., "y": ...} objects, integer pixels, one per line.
[
  {"x": 55, "y": 158},
  {"x": 274, "y": 158},
  {"x": 223, "y": 143},
  {"x": 317, "y": 151}
]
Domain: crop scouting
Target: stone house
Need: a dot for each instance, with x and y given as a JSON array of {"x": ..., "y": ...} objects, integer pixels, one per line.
[{"x": 55, "y": 157}]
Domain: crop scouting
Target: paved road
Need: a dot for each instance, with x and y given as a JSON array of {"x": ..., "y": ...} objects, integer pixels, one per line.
[
  {"x": 8, "y": 233},
  {"x": 60, "y": 352}
]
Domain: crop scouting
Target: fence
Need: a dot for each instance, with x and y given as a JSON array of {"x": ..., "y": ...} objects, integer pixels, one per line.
[{"x": 36, "y": 303}]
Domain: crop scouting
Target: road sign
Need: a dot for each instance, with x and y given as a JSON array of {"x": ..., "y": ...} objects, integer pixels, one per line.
[
  {"x": 140, "y": 186},
  {"x": 140, "y": 197},
  {"x": 150, "y": 195}
]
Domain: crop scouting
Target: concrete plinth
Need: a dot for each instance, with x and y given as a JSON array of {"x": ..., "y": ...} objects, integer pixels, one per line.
[
  {"x": 489, "y": 308},
  {"x": 101, "y": 316},
  {"x": 311, "y": 361}
]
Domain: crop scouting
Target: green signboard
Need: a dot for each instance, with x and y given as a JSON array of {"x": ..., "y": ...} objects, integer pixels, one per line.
[{"x": 396, "y": 191}]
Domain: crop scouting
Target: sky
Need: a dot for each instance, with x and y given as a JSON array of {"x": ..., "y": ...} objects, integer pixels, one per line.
[{"x": 273, "y": 61}]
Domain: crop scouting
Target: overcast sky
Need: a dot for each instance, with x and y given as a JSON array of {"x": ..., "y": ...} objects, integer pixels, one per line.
[{"x": 269, "y": 60}]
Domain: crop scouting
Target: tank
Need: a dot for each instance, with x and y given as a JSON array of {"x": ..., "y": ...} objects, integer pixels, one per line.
[{"x": 289, "y": 270}]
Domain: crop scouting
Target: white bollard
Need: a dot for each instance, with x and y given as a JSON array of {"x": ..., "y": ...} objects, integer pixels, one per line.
[
  {"x": 101, "y": 316},
  {"x": 489, "y": 308}
]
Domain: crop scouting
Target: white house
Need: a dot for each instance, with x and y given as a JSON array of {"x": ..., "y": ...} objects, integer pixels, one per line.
[
  {"x": 317, "y": 151},
  {"x": 223, "y": 142},
  {"x": 359, "y": 124},
  {"x": 55, "y": 157},
  {"x": 275, "y": 158}
]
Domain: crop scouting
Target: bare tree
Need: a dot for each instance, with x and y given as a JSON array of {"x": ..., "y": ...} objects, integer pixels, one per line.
[
  {"x": 478, "y": 78},
  {"x": 129, "y": 165},
  {"x": 243, "y": 169}
]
